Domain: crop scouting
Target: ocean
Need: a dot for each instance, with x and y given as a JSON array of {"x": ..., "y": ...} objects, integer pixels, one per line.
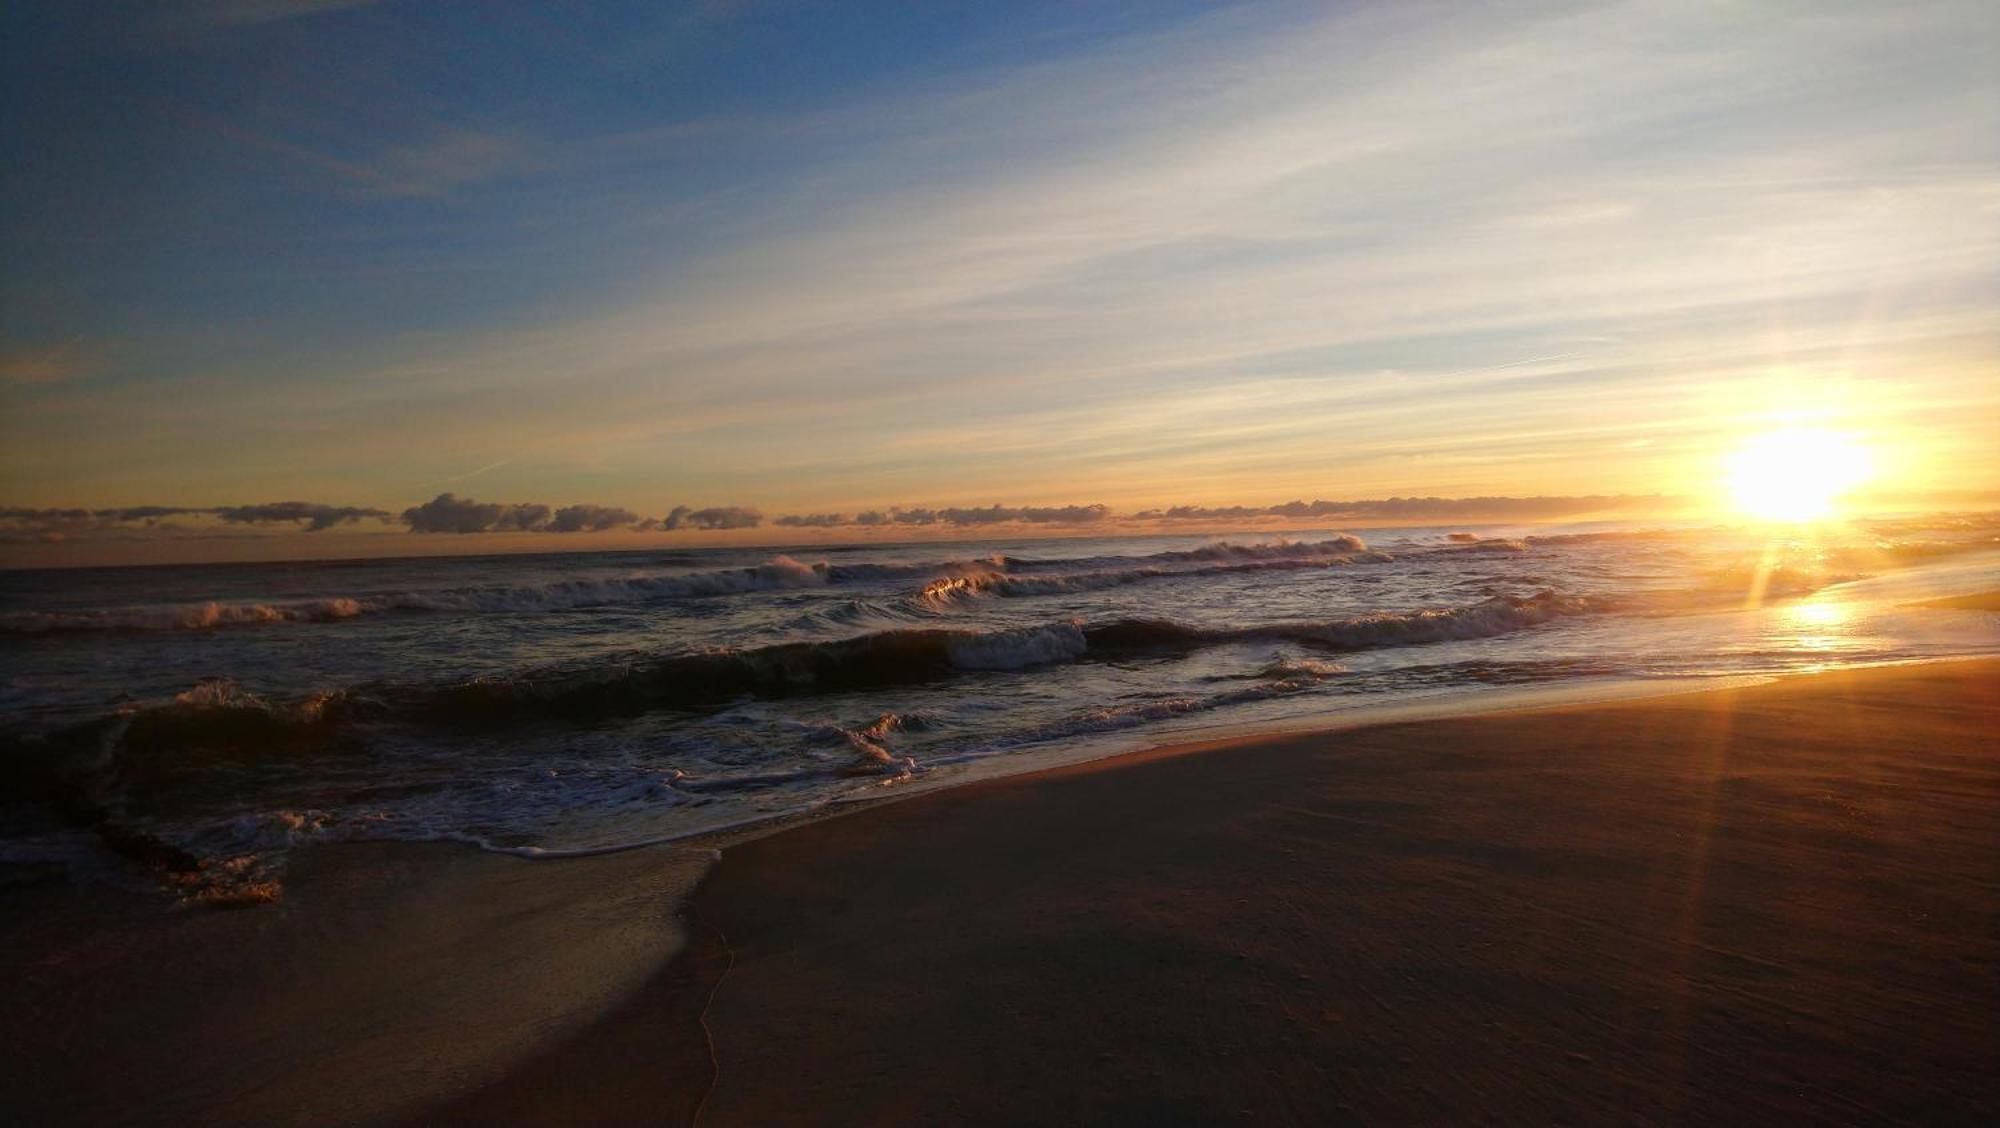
[{"x": 186, "y": 727}]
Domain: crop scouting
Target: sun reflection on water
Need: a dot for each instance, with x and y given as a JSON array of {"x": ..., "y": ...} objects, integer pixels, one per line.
[
  {"x": 1820, "y": 614},
  {"x": 1818, "y": 626}
]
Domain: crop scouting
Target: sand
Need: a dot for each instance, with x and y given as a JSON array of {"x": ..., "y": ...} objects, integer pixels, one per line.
[
  {"x": 1769, "y": 903},
  {"x": 1774, "y": 903},
  {"x": 390, "y": 976}
]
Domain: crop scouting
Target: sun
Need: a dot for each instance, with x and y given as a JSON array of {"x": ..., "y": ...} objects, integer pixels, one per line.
[{"x": 1796, "y": 475}]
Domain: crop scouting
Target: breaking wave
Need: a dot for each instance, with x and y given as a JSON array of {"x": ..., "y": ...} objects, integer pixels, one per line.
[
  {"x": 778, "y": 573},
  {"x": 219, "y": 722},
  {"x": 958, "y": 587}
]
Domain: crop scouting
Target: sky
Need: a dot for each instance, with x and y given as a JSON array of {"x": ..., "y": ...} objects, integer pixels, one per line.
[{"x": 811, "y": 259}]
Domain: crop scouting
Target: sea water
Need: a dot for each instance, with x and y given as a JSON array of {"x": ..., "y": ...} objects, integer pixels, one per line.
[{"x": 193, "y": 724}]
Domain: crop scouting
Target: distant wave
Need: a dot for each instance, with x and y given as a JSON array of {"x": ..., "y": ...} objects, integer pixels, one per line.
[
  {"x": 1500, "y": 614},
  {"x": 1281, "y": 549},
  {"x": 1342, "y": 545},
  {"x": 867, "y": 572},
  {"x": 1267, "y": 550},
  {"x": 183, "y": 617},
  {"x": 1624, "y": 535},
  {"x": 778, "y": 573},
  {"x": 1461, "y": 545},
  {"x": 948, "y": 589}
]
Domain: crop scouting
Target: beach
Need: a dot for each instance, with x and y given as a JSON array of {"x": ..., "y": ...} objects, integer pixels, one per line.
[
  {"x": 1156, "y": 564},
  {"x": 1772, "y": 903},
  {"x": 1746, "y": 904},
  {"x": 390, "y": 973}
]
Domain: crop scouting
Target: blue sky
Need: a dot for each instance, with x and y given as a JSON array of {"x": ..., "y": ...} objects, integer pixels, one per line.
[{"x": 817, "y": 257}]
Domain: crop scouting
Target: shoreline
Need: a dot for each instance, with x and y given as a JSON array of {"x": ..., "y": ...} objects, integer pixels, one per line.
[
  {"x": 1110, "y": 748},
  {"x": 1180, "y": 935},
  {"x": 619, "y": 1035}
]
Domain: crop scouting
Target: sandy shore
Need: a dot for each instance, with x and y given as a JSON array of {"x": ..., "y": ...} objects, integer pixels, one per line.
[
  {"x": 1774, "y": 903},
  {"x": 390, "y": 975},
  {"x": 1777, "y": 902}
]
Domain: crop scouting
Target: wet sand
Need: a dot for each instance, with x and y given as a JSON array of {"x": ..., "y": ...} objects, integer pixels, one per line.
[{"x": 1772, "y": 903}]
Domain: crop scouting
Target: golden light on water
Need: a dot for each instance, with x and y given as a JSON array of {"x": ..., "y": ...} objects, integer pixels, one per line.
[
  {"x": 1821, "y": 615},
  {"x": 1796, "y": 475}
]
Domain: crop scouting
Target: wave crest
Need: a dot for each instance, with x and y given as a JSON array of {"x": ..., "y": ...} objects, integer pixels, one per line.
[
  {"x": 1018, "y": 648},
  {"x": 183, "y": 617},
  {"x": 960, "y": 587}
]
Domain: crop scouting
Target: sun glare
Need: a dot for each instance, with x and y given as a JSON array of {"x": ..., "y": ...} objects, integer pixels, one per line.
[{"x": 1796, "y": 475}]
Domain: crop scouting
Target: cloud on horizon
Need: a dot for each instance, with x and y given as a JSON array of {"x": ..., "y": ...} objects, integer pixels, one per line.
[
  {"x": 449, "y": 514},
  {"x": 24, "y": 525},
  {"x": 718, "y": 517},
  {"x": 315, "y": 518},
  {"x": 1422, "y": 508}
]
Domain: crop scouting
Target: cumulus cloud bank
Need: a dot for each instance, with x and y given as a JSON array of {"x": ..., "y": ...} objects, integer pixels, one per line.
[
  {"x": 316, "y": 518},
  {"x": 1417, "y": 508},
  {"x": 448, "y": 513},
  {"x": 590, "y": 519},
  {"x": 719, "y": 517},
  {"x": 20, "y": 524},
  {"x": 814, "y": 520},
  {"x": 1391, "y": 508},
  {"x": 1002, "y": 515}
]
